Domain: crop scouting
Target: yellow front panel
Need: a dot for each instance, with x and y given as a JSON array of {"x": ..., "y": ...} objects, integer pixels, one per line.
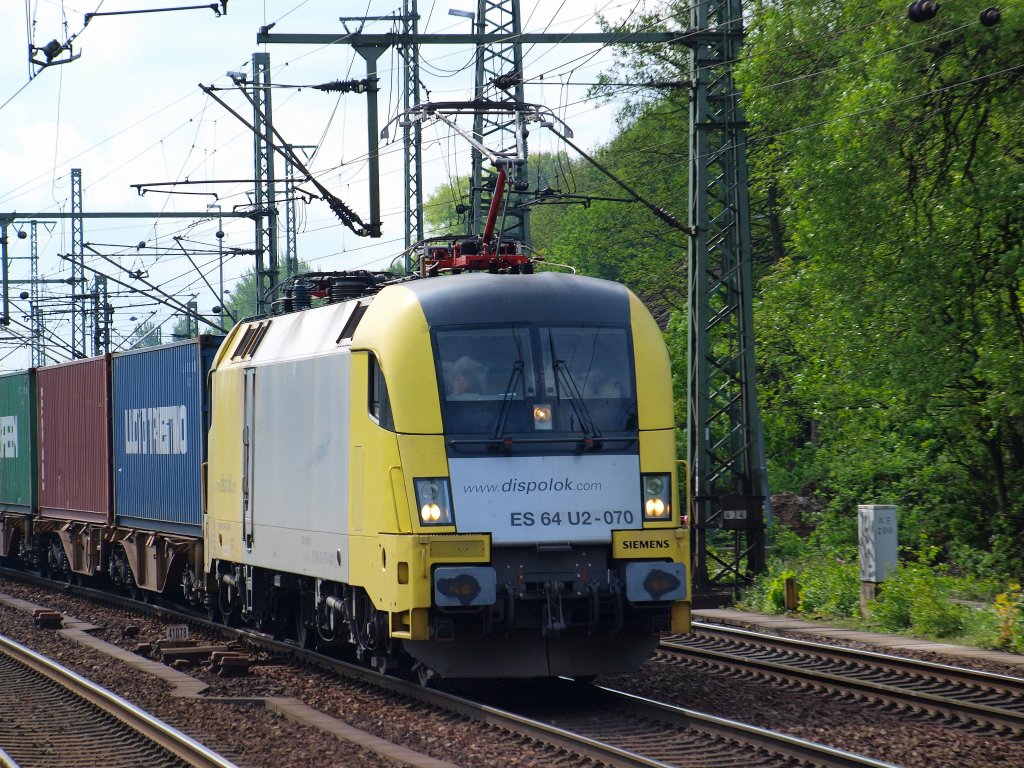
[
  {"x": 395, "y": 328},
  {"x": 373, "y": 503},
  {"x": 658, "y": 455},
  {"x": 423, "y": 456},
  {"x": 395, "y": 570},
  {"x": 654, "y": 370},
  {"x": 652, "y": 544}
]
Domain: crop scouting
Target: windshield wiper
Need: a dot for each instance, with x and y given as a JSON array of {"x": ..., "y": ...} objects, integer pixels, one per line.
[
  {"x": 579, "y": 407},
  {"x": 506, "y": 400},
  {"x": 498, "y": 433}
]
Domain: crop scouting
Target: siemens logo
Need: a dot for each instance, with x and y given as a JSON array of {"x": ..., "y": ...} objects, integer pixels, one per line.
[
  {"x": 653, "y": 544},
  {"x": 8, "y": 437},
  {"x": 157, "y": 431}
]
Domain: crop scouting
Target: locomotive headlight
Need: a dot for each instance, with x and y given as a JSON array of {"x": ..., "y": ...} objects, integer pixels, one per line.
[
  {"x": 657, "y": 497},
  {"x": 542, "y": 416},
  {"x": 434, "y": 500}
]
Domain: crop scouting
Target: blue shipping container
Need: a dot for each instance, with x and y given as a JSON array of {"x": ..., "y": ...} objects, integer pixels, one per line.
[{"x": 161, "y": 414}]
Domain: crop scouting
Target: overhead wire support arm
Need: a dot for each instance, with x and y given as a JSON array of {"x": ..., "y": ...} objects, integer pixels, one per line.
[
  {"x": 219, "y": 9},
  {"x": 657, "y": 210},
  {"x": 346, "y": 215},
  {"x": 471, "y": 38},
  {"x": 177, "y": 241}
]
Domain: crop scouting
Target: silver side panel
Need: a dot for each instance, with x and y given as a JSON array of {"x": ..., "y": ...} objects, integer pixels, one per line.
[{"x": 298, "y": 506}]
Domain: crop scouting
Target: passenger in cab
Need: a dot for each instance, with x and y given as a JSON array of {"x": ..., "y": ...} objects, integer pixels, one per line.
[{"x": 464, "y": 382}]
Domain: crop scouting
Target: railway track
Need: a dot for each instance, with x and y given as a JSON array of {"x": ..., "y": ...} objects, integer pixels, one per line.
[
  {"x": 597, "y": 723},
  {"x": 54, "y": 717},
  {"x": 625, "y": 729},
  {"x": 609, "y": 726},
  {"x": 964, "y": 698}
]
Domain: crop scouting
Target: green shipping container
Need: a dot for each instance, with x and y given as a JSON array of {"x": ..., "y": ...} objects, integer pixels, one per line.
[{"x": 18, "y": 444}]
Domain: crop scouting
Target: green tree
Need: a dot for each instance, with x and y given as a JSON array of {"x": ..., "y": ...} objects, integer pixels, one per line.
[
  {"x": 894, "y": 326},
  {"x": 145, "y": 334}
]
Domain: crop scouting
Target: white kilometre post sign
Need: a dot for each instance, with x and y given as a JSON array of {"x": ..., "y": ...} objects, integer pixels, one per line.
[{"x": 878, "y": 547}]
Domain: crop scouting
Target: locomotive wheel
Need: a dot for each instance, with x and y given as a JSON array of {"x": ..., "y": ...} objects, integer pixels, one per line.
[
  {"x": 426, "y": 676},
  {"x": 305, "y": 634},
  {"x": 230, "y": 611}
]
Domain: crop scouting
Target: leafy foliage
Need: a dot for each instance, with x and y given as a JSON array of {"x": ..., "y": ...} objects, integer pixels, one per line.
[
  {"x": 917, "y": 597},
  {"x": 146, "y": 334},
  {"x": 892, "y": 328}
]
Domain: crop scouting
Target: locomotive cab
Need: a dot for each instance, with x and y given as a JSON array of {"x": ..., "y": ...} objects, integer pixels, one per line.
[{"x": 550, "y": 454}]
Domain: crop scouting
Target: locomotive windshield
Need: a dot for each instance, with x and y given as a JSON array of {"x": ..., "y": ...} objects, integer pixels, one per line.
[{"x": 536, "y": 383}]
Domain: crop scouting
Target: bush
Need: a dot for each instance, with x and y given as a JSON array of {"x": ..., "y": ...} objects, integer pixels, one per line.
[
  {"x": 917, "y": 597},
  {"x": 830, "y": 587},
  {"x": 1009, "y": 610},
  {"x": 768, "y": 592},
  {"x": 982, "y": 628}
]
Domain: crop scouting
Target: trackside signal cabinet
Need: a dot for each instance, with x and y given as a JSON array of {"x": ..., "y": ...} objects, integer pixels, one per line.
[{"x": 877, "y": 541}]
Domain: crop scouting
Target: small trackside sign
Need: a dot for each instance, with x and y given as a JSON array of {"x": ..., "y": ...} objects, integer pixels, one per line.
[
  {"x": 645, "y": 544},
  {"x": 177, "y": 631}
]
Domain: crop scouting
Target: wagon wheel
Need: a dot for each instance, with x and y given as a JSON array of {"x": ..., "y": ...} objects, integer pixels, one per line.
[{"x": 61, "y": 568}]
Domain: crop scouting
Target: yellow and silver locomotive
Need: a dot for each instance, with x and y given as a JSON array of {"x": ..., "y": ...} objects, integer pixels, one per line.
[{"x": 472, "y": 474}]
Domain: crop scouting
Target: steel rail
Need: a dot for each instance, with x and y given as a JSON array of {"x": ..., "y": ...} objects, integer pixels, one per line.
[
  {"x": 904, "y": 695},
  {"x": 597, "y": 749},
  {"x": 174, "y": 741},
  {"x": 6, "y": 761},
  {"x": 761, "y": 737},
  {"x": 963, "y": 674}
]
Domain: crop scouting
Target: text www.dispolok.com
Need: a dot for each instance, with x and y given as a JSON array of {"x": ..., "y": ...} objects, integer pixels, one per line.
[{"x": 526, "y": 487}]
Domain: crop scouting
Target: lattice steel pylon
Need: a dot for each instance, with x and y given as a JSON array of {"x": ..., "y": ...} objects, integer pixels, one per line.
[
  {"x": 265, "y": 202},
  {"x": 101, "y": 312},
  {"x": 412, "y": 131},
  {"x": 725, "y": 446},
  {"x": 499, "y": 73},
  {"x": 35, "y": 295},
  {"x": 79, "y": 312}
]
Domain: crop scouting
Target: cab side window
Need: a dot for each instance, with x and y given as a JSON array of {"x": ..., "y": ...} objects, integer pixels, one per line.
[{"x": 378, "y": 405}]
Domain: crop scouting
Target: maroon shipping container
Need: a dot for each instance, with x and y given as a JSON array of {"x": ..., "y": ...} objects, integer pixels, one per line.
[{"x": 73, "y": 402}]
